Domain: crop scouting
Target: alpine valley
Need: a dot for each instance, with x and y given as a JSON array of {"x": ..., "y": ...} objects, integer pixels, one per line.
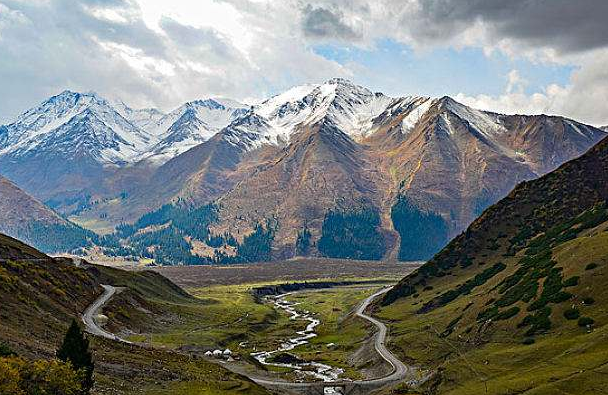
[{"x": 329, "y": 169}]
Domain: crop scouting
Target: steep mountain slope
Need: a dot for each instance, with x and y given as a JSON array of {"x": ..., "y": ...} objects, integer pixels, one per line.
[
  {"x": 27, "y": 219},
  {"x": 40, "y": 296},
  {"x": 321, "y": 169},
  {"x": 450, "y": 161},
  {"x": 519, "y": 293},
  {"x": 444, "y": 159},
  {"x": 14, "y": 249}
]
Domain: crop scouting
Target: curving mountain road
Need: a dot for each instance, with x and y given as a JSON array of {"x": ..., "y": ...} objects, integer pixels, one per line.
[
  {"x": 88, "y": 317},
  {"x": 400, "y": 370}
]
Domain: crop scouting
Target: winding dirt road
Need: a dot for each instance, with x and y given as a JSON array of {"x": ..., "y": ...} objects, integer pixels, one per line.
[
  {"x": 88, "y": 317},
  {"x": 400, "y": 370}
]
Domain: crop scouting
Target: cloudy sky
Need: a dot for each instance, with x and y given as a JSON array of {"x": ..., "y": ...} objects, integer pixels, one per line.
[{"x": 517, "y": 56}]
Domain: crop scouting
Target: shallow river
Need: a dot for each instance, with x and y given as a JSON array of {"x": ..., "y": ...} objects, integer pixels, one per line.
[{"x": 315, "y": 369}]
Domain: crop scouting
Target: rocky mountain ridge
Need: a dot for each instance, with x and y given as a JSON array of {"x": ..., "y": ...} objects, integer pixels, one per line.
[{"x": 431, "y": 163}]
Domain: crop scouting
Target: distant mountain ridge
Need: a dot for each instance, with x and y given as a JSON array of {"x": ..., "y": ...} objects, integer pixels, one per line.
[
  {"x": 24, "y": 217},
  {"x": 114, "y": 133},
  {"x": 410, "y": 165}
]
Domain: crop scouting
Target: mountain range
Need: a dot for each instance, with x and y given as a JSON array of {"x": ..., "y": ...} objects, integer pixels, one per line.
[
  {"x": 516, "y": 302},
  {"x": 321, "y": 169}
]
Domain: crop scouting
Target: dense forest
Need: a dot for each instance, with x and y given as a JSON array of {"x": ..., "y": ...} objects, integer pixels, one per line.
[
  {"x": 352, "y": 235},
  {"x": 162, "y": 235},
  {"x": 56, "y": 237},
  {"x": 189, "y": 220},
  {"x": 422, "y": 233},
  {"x": 256, "y": 247},
  {"x": 167, "y": 234}
]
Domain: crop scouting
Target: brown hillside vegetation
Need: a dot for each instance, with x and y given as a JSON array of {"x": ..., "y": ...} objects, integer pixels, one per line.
[{"x": 517, "y": 303}]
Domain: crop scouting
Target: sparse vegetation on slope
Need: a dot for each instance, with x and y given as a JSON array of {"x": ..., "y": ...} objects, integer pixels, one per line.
[
  {"x": 40, "y": 296},
  {"x": 169, "y": 235},
  {"x": 27, "y": 219},
  {"x": 19, "y": 376},
  {"x": 53, "y": 238}
]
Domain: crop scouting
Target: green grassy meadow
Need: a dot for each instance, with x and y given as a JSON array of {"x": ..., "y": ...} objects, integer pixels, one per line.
[
  {"x": 228, "y": 316},
  {"x": 498, "y": 356}
]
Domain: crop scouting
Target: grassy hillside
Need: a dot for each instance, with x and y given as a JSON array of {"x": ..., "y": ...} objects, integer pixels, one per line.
[
  {"x": 517, "y": 303},
  {"x": 40, "y": 295}
]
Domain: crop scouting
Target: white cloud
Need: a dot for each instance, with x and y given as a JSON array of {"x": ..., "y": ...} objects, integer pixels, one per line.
[
  {"x": 515, "y": 82},
  {"x": 160, "y": 53},
  {"x": 585, "y": 97}
]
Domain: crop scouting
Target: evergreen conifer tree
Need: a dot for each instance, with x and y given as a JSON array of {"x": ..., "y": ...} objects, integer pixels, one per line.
[{"x": 75, "y": 349}]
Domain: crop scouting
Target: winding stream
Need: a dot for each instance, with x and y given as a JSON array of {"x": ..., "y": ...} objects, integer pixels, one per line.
[{"x": 315, "y": 369}]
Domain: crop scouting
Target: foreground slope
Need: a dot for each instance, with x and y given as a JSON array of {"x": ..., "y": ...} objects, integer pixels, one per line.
[
  {"x": 40, "y": 295},
  {"x": 518, "y": 301}
]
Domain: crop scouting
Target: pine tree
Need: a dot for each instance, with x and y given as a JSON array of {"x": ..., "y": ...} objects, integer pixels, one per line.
[
  {"x": 75, "y": 349},
  {"x": 303, "y": 242}
]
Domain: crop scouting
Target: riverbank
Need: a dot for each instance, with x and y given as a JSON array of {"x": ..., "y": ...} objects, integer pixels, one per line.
[{"x": 281, "y": 357}]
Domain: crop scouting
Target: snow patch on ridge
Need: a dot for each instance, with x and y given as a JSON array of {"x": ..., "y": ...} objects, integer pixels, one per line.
[
  {"x": 486, "y": 123},
  {"x": 349, "y": 107},
  {"x": 411, "y": 120}
]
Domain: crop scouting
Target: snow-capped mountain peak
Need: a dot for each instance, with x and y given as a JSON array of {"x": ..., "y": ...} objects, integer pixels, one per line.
[
  {"x": 191, "y": 124},
  {"x": 349, "y": 107},
  {"x": 87, "y": 114},
  {"x": 484, "y": 122},
  {"x": 143, "y": 118}
]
